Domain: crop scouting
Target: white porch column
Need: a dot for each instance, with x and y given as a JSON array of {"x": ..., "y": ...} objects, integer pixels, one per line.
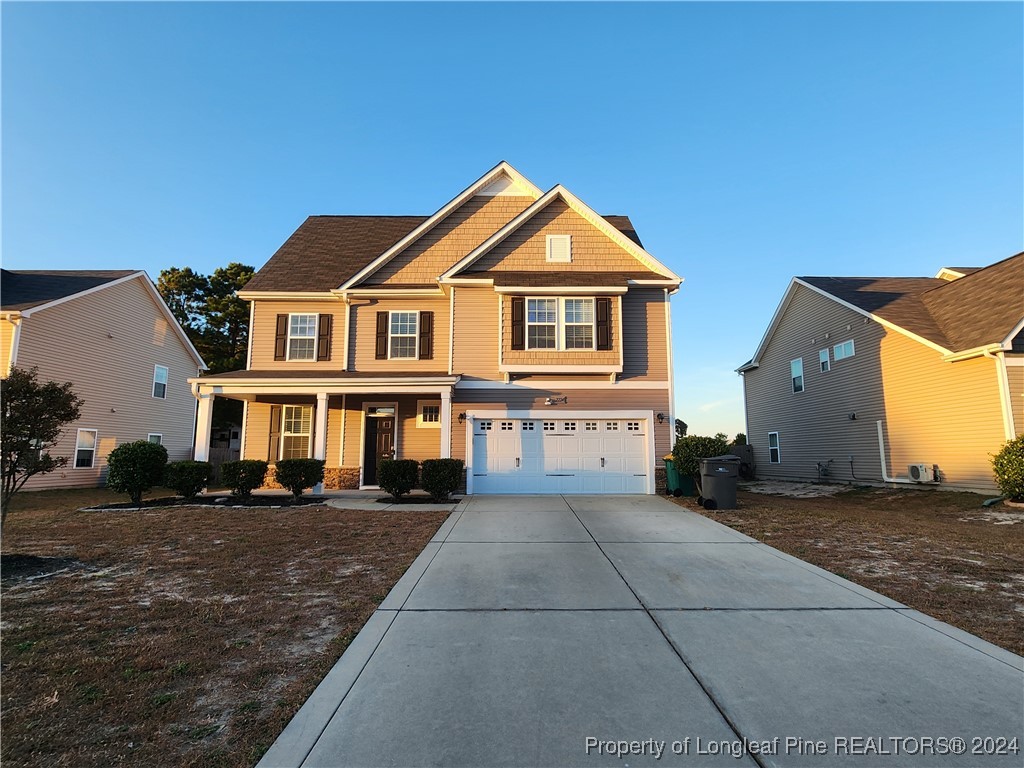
[
  {"x": 446, "y": 423},
  {"x": 320, "y": 433},
  {"x": 204, "y": 424}
]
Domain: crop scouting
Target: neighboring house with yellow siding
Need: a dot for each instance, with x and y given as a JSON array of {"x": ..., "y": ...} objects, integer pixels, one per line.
[
  {"x": 890, "y": 379},
  {"x": 515, "y": 329},
  {"x": 111, "y": 335}
]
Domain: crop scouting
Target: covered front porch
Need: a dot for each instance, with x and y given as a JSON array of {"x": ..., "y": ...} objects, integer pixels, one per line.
[{"x": 348, "y": 420}]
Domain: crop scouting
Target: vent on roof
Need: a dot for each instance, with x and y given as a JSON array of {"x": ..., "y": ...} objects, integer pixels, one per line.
[{"x": 559, "y": 249}]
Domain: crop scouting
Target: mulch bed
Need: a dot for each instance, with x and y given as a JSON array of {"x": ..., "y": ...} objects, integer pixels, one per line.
[{"x": 216, "y": 501}]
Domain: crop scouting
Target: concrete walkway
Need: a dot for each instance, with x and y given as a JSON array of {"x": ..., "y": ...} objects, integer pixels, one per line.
[{"x": 590, "y": 630}]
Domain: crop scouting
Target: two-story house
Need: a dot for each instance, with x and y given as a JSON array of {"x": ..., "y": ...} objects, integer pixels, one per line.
[
  {"x": 890, "y": 379},
  {"x": 515, "y": 329},
  {"x": 112, "y": 336}
]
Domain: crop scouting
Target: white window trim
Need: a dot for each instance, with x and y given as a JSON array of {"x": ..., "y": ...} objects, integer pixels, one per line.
[
  {"x": 151, "y": 435},
  {"x": 95, "y": 447},
  {"x": 793, "y": 376},
  {"x": 836, "y": 347},
  {"x": 415, "y": 334},
  {"x": 419, "y": 414},
  {"x": 166, "y": 382},
  {"x": 548, "y": 249},
  {"x": 777, "y": 448},
  {"x": 309, "y": 436},
  {"x": 824, "y": 363},
  {"x": 288, "y": 338},
  {"x": 560, "y": 324}
]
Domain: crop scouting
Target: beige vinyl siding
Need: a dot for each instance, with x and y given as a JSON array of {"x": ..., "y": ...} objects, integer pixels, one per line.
[
  {"x": 559, "y": 357},
  {"x": 933, "y": 412},
  {"x": 645, "y": 350},
  {"x": 526, "y": 248},
  {"x": 257, "y": 432},
  {"x": 107, "y": 343},
  {"x": 257, "y": 427},
  {"x": 476, "y": 333},
  {"x": 413, "y": 442},
  {"x": 364, "y": 334},
  {"x": 6, "y": 339},
  {"x": 450, "y": 240},
  {"x": 264, "y": 332},
  {"x": 613, "y": 400},
  {"x": 1015, "y": 378}
]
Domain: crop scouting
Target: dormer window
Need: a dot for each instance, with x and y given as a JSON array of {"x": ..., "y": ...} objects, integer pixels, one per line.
[{"x": 559, "y": 249}]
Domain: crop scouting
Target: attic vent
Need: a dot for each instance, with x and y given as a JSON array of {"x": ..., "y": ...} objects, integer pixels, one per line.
[{"x": 559, "y": 249}]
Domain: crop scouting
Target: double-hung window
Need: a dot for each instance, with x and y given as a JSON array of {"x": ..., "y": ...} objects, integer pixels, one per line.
[
  {"x": 844, "y": 350},
  {"x": 85, "y": 449},
  {"x": 560, "y": 324},
  {"x": 296, "y": 429},
  {"x": 302, "y": 337},
  {"x": 823, "y": 361},
  {"x": 404, "y": 332},
  {"x": 796, "y": 374},
  {"x": 160, "y": 381},
  {"x": 774, "y": 453}
]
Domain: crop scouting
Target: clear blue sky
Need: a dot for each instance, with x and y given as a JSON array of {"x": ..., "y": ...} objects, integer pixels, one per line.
[{"x": 749, "y": 143}]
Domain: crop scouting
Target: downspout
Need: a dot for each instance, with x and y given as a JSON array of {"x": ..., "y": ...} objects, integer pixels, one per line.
[
  {"x": 451, "y": 331},
  {"x": 881, "y": 454},
  {"x": 671, "y": 375},
  {"x": 348, "y": 330},
  {"x": 1004, "y": 389},
  {"x": 12, "y": 353}
]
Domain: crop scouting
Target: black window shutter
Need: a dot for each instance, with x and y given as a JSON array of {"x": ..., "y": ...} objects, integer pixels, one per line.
[
  {"x": 382, "y": 336},
  {"x": 323, "y": 338},
  {"x": 281, "y": 338},
  {"x": 426, "y": 335},
  {"x": 274, "y": 444},
  {"x": 518, "y": 322},
  {"x": 604, "y": 317}
]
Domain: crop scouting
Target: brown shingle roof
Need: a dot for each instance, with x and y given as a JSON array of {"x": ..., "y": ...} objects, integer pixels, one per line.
[
  {"x": 325, "y": 251},
  {"x": 22, "y": 289},
  {"x": 981, "y": 308}
]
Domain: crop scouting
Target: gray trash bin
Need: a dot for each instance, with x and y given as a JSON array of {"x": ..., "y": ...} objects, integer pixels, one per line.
[{"x": 718, "y": 476}]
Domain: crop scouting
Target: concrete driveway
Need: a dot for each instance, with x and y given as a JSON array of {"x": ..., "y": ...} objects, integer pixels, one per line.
[{"x": 624, "y": 630}]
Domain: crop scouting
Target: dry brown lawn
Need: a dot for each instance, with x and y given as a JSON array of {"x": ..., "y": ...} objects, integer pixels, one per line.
[
  {"x": 937, "y": 551},
  {"x": 180, "y": 637}
]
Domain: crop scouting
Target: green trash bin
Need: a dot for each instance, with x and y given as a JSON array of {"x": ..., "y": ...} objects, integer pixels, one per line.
[{"x": 675, "y": 483}]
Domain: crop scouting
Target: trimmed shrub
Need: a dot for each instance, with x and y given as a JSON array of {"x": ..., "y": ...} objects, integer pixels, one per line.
[
  {"x": 243, "y": 477},
  {"x": 188, "y": 478},
  {"x": 442, "y": 477},
  {"x": 298, "y": 474},
  {"x": 689, "y": 450},
  {"x": 134, "y": 468},
  {"x": 397, "y": 476},
  {"x": 1008, "y": 466}
]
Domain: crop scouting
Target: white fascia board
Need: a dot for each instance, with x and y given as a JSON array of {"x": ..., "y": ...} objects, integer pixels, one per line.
[
  {"x": 470, "y": 281},
  {"x": 286, "y": 295},
  {"x": 953, "y": 357},
  {"x": 659, "y": 283},
  {"x": 787, "y": 297},
  {"x": 530, "y": 368},
  {"x": 949, "y": 274},
  {"x": 583, "y": 210},
  {"x": 1007, "y": 343},
  {"x": 385, "y": 292},
  {"x": 426, "y": 226},
  {"x": 585, "y": 289},
  {"x": 561, "y": 384},
  {"x": 555, "y": 412},
  {"x": 341, "y": 384},
  {"x": 880, "y": 320},
  {"x": 32, "y": 310}
]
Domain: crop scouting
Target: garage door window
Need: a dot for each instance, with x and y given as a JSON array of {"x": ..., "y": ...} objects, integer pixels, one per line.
[
  {"x": 528, "y": 426},
  {"x": 612, "y": 426}
]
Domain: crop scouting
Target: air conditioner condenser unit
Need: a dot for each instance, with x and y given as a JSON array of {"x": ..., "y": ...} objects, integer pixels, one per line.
[{"x": 921, "y": 473}]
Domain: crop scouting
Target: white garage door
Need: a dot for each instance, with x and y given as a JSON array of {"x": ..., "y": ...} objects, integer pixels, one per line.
[{"x": 559, "y": 456}]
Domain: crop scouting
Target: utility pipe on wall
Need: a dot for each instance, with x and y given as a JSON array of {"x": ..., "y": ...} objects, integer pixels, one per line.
[{"x": 881, "y": 454}]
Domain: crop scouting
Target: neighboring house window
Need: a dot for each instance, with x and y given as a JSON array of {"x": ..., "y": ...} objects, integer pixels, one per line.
[
  {"x": 541, "y": 323},
  {"x": 85, "y": 449},
  {"x": 844, "y": 350},
  {"x": 160, "y": 381},
  {"x": 579, "y": 323},
  {"x": 428, "y": 414},
  {"x": 544, "y": 330},
  {"x": 404, "y": 328},
  {"x": 296, "y": 423},
  {"x": 774, "y": 454},
  {"x": 155, "y": 437},
  {"x": 823, "y": 360},
  {"x": 302, "y": 337},
  {"x": 559, "y": 249},
  {"x": 796, "y": 373}
]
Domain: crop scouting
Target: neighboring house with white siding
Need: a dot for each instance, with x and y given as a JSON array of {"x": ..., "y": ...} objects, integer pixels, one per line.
[
  {"x": 515, "y": 329},
  {"x": 890, "y": 379},
  {"x": 112, "y": 336}
]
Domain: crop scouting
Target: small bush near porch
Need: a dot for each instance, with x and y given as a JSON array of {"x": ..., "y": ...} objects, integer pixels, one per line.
[{"x": 180, "y": 637}]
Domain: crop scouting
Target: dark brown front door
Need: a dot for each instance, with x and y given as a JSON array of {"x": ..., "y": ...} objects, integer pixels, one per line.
[{"x": 380, "y": 444}]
